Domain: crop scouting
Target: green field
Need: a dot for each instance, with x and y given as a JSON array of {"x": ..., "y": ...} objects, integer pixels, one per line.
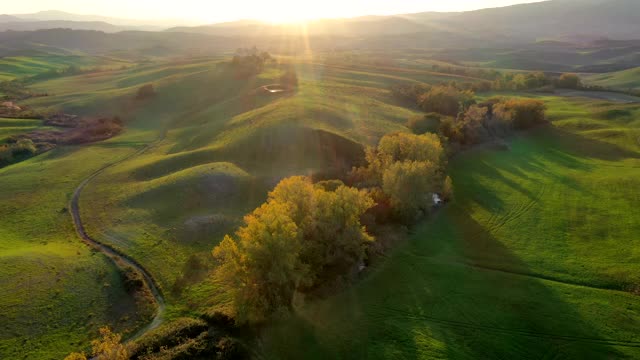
[
  {"x": 15, "y": 67},
  {"x": 55, "y": 293},
  {"x": 536, "y": 257},
  {"x": 620, "y": 80},
  {"x": 10, "y": 127}
]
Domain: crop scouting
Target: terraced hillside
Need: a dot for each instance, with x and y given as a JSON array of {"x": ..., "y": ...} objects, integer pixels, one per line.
[{"x": 536, "y": 257}]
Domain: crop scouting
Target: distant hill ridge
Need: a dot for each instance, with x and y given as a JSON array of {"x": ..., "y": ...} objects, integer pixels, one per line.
[{"x": 617, "y": 19}]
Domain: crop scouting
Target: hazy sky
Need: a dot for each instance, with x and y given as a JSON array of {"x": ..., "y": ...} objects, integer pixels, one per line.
[{"x": 273, "y": 10}]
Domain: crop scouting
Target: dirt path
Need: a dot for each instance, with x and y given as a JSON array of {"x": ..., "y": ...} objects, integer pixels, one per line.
[{"x": 117, "y": 257}]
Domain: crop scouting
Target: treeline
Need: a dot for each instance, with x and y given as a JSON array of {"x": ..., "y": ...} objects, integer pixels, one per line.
[
  {"x": 308, "y": 236},
  {"x": 249, "y": 62},
  {"x": 184, "y": 338},
  {"x": 492, "y": 119}
]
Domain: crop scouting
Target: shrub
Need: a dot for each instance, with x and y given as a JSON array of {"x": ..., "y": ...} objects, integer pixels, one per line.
[
  {"x": 132, "y": 280},
  {"x": 523, "y": 113},
  {"x": 229, "y": 348},
  {"x": 145, "y": 92},
  {"x": 409, "y": 93},
  {"x": 421, "y": 124},
  {"x": 569, "y": 81},
  {"x": 168, "y": 336},
  {"x": 289, "y": 79},
  {"x": 23, "y": 148}
]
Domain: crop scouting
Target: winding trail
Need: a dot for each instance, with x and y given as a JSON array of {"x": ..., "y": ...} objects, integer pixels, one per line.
[{"x": 118, "y": 258}]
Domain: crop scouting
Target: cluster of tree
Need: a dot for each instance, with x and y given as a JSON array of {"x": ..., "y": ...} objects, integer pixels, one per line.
[
  {"x": 447, "y": 99},
  {"x": 249, "y": 62},
  {"x": 303, "y": 236},
  {"x": 108, "y": 347},
  {"x": 404, "y": 172},
  {"x": 521, "y": 81},
  {"x": 23, "y": 146},
  {"x": 182, "y": 338},
  {"x": 429, "y": 122},
  {"x": 16, "y": 150},
  {"x": 493, "y": 119}
]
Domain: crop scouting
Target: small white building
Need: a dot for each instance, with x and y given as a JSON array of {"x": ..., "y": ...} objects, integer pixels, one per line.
[{"x": 437, "y": 200}]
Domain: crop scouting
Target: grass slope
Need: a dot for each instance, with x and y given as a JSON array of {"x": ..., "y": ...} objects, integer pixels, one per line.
[
  {"x": 55, "y": 291},
  {"x": 14, "y": 67},
  {"x": 621, "y": 80},
  {"x": 225, "y": 146},
  {"x": 536, "y": 258},
  {"x": 9, "y": 127}
]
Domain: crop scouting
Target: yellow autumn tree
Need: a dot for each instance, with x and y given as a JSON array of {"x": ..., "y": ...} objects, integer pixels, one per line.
[{"x": 303, "y": 235}]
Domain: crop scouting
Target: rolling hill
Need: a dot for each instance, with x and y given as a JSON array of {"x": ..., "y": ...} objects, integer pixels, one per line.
[
  {"x": 618, "y": 19},
  {"x": 620, "y": 80}
]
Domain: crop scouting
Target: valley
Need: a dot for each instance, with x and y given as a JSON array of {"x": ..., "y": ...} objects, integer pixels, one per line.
[{"x": 260, "y": 190}]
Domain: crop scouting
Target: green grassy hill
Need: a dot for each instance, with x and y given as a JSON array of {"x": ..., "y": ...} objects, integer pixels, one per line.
[
  {"x": 536, "y": 258},
  {"x": 14, "y": 67},
  {"x": 621, "y": 80},
  {"x": 55, "y": 293},
  {"x": 218, "y": 144}
]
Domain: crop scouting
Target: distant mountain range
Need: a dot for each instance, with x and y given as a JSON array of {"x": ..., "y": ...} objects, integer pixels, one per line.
[
  {"x": 536, "y": 36},
  {"x": 592, "y": 19},
  {"x": 52, "y": 19}
]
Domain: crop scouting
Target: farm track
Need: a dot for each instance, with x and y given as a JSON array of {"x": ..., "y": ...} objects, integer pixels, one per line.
[
  {"x": 119, "y": 259},
  {"x": 515, "y": 212}
]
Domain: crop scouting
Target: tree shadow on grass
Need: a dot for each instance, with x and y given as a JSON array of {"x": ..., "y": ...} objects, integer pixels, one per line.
[
  {"x": 429, "y": 300},
  {"x": 455, "y": 291}
]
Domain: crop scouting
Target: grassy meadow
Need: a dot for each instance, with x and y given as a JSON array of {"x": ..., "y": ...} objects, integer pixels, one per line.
[
  {"x": 16, "y": 67},
  {"x": 55, "y": 293},
  {"x": 620, "y": 80},
  {"x": 535, "y": 258}
]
